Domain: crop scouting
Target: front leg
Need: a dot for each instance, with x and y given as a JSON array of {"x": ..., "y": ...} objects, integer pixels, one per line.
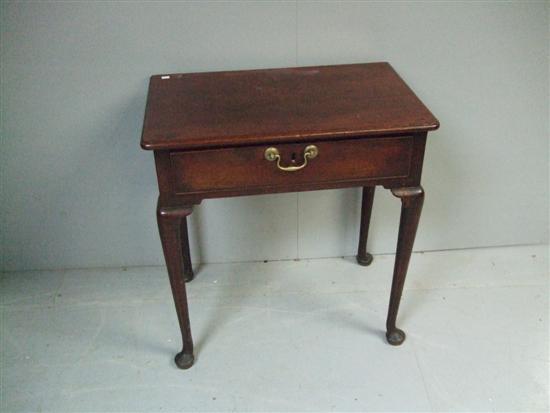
[
  {"x": 411, "y": 206},
  {"x": 170, "y": 228}
]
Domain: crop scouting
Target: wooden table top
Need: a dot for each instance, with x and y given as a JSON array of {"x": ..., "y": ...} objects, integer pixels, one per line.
[{"x": 216, "y": 109}]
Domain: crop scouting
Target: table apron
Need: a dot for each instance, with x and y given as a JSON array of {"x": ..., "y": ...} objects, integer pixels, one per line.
[{"x": 211, "y": 173}]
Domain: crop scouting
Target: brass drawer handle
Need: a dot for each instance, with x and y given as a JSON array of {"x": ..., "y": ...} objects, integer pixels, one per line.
[{"x": 272, "y": 154}]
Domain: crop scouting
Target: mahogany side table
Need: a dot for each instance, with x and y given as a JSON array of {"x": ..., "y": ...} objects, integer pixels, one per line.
[{"x": 234, "y": 133}]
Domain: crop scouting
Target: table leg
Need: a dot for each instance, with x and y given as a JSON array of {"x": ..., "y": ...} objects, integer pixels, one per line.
[
  {"x": 187, "y": 266},
  {"x": 363, "y": 257},
  {"x": 411, "y": 206},
  {"x": 170, "y": 228}
]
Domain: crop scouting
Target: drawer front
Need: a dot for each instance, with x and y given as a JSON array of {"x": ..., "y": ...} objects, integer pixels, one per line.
[{"x": 241, "y": 168}]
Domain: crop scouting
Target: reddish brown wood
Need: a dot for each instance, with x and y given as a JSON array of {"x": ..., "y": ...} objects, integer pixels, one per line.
[
  {"x": 186, "y": 253},
  {"x": 411, "y": 206},
  {"x": 218, "y": 109},
  {"x": 215, "y": 170},
  {"x": 363, "y": 257},
  {"x": 188, "y": 176},
  {"x": 170, "y": 222},
  {"x": 209, "y": 132}
]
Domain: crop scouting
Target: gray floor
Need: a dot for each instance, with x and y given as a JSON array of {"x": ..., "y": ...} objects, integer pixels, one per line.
[{"x": 283, "y": 336}]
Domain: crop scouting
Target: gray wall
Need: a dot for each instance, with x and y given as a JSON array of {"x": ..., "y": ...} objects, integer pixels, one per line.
[{"x": 77, "y": 191}]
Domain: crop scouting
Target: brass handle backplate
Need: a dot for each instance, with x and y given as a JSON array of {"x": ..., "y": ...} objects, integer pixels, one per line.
[{"x": 272, "y": 154}]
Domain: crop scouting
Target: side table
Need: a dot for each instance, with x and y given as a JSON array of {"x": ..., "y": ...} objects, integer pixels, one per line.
[{"x": 223, "y": 134}]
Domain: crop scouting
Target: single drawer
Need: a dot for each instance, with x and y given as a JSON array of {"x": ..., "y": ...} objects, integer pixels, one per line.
[{"x": 346, "y": 160}]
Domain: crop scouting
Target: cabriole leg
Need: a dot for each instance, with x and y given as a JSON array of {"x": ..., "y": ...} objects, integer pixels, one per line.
[
  {"x": 411, "y": 206},
  {"x": 171, "y": 221}
]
